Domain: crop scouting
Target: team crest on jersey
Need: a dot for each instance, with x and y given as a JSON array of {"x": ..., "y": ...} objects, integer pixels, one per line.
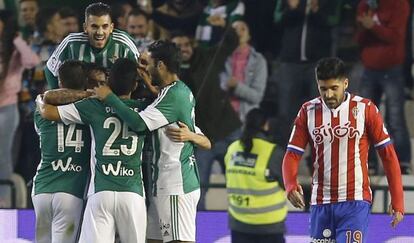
[
  {"x": 355, "y": 112},
  {"x": 113, "y": 58}
]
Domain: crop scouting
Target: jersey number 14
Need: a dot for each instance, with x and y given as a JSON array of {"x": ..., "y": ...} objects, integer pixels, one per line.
[{"x": 68, "y": 141}]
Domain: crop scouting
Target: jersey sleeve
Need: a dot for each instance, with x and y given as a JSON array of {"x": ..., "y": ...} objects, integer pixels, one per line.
[
  {"x": 79, "y": 112},
  {"x": 52, "y": 81},
  {"x": 296, "y": 147},
  {"x": 378, "y": 135},
  {"x": 55, "y": 60},
  {"x": 69, "y": 114},
  {"x": 376, "y": 129},
  {"x": 130, "y": 49},
  {"x": 164, "y": 110},
  {"x": 198, "y": 130},
  {"x": 299, "y": 136},
  {"x": 130, "y": 117},
  {"x": 132, "y": 54}
]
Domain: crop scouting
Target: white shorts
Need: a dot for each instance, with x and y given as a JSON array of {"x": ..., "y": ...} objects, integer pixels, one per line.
[
  {"x": 108, "y": 212},
  {"x": 58, "y": 217},
  {"x": 173, "y": 217}
]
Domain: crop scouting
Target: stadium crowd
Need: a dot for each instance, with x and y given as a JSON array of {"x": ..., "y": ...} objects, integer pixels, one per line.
[{"x": 234, "y": 55}]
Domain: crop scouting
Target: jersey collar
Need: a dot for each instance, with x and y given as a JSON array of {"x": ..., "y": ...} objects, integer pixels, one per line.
[{"x": 344, "y": 103}]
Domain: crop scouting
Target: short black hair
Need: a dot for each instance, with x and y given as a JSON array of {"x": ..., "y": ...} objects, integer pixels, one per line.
[
  {"x": 21, "y": 1},
  {"x": 123, "y": 76},
  {"x": 179, "y": 33},
  {"x": 98, "y": 9},
  {"x": 67, "y": 12},
  {"x": 168, "y": 53},
  {"x": 72, "y": 75},
  {"x": 43, "y": 18},
  {"x": 90, "y": 68},
  {"x": 330, "y": 68},
  {"x": 139, "y": 12}
]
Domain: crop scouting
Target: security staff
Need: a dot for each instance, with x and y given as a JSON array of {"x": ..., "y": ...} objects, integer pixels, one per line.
[{"x": 257, "y": 201}]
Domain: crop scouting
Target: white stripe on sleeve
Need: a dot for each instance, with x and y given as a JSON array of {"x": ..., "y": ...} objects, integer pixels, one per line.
[
  {"x": 153, "y": 118},
  {"x": 69, "y": 114}
]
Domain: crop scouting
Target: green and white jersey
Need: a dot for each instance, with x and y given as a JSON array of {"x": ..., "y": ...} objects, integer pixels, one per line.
[
  {"x": 175, "y": 171},
  {"x": 115, "y": 150},
  {"x": 76, "y": 46},
  {"x": 65, "y": 151}
]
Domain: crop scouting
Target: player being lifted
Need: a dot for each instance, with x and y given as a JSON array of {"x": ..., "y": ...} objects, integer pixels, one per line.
[
  {"x": 115, "y": 198},
  {"x": 61, "y": 177},
  {"x": 99, "y": 43},
  {"x": 339, "y": 127},
  {"x": 177, "y": 188}
]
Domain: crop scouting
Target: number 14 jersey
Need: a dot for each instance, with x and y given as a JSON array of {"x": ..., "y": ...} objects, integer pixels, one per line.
[{"x": 65, "y": 150}]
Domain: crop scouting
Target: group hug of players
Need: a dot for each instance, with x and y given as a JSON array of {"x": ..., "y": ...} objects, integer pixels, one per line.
[
  {"x": 89, "y": 150},
  {"x": 88, "y": 186},
  {"x": 90, "y": 177}
]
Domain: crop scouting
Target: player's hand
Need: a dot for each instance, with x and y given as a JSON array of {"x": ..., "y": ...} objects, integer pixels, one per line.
[
  {"x": 180, "y": 134},
  {"x": 397, "y": 217},
  {"x": 296, "y": 198},
  {"x": 102, "y": 91},
  {"x": 144, "y": 74}
]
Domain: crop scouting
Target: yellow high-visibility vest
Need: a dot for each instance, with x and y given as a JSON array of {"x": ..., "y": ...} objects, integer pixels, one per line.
[{"x": 252, "y": 199}]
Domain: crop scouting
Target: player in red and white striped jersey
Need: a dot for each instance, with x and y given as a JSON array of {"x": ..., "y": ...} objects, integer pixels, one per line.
[{"x": 340, "y": 127}]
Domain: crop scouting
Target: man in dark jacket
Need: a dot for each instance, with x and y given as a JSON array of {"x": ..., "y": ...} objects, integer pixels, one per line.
[
  {"x": 306, "y": 38},
  {"x": 200, "y": 70}
]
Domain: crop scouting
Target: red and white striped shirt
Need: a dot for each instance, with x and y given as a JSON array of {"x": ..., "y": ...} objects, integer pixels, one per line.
[{"x": 340, "y": 140}]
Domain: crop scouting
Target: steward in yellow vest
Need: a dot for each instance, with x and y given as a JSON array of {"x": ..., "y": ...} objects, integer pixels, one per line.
[{"x": 257, "y": 201}]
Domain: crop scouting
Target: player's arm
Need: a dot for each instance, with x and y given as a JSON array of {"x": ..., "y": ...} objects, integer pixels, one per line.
[
  {"x": 64, "y": 96},
  {"x": 55, "y": 60},
  {"x": 183, "y": 134},
  {"x": 130, "y": 117},
  {"x": 379, "y": 136},
  {"x": 290, "y": 165},
  {"x": 48, "y": 112},
  {"x": 52, "y": 81}
]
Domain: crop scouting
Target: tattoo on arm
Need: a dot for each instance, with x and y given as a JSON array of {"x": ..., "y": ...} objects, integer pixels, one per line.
[{"x": 64, "y": 96}]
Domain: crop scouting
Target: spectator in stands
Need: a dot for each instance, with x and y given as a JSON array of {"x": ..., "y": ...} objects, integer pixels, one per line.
[
  {"x": 180, "y": 15},
  {"x": 245, "y": 76},
  {"x": 306, "y": 38},
  {"x": 138, "y": 28},
  {"x": 49, "y": 33},
  {"x": 200, "y": 70},
  {"x": 217, "y": 14},
  {"x": 120, "y": 12},
  {"x": 382, "y": 41},
  {"x": 15, "y": 56},
  {"x": 28, "y": 12},
  {"x": 70, "y": 20},
  {"x": 257, "y": 201}
]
